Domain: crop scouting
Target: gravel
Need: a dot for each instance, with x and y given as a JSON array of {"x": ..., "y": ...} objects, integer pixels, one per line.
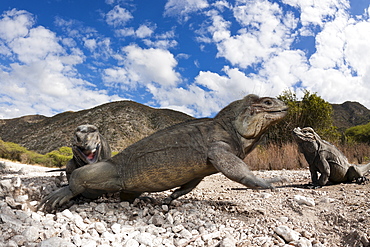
[{"x": 219, "y": 212}]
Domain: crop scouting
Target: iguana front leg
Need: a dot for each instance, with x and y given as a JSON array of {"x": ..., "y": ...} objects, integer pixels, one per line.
[
  {"x": 101, "y": 176},
  {"x": 233, "y": 167},
  {"x": 184, "y": 189},
  {"x": 324, "y": 169}
]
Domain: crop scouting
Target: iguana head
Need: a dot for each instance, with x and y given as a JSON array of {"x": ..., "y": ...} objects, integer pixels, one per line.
[
  {"x": 307, "y": 139},
  {"x": 86, "y": 143},
  {"x": 252, "y": 115}
]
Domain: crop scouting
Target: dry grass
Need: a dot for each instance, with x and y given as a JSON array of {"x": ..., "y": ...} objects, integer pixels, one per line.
[{"x": 287, "y": 156}]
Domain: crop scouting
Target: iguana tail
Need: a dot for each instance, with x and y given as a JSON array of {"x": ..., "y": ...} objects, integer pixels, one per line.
[
  {"x": 363, "y": 168},
  {"x": 58, "y": 170}
]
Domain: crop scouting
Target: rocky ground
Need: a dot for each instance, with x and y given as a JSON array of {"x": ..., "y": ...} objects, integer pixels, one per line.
[{"x": 219, "y": 212}]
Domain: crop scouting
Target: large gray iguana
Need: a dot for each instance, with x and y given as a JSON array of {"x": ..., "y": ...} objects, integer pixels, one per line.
[
  {"x": 326, "y": 159},
  {"x": 182, "y": 155},
  {"x": 88, "y": 147}
]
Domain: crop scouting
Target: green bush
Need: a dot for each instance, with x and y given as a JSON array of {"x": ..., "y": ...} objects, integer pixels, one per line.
[
  {"x": 60, "y": 157},
  {"x": 16, "y": 152},
  {"x": 360, "y": 133},
  {"x": 310, "y": 111}
]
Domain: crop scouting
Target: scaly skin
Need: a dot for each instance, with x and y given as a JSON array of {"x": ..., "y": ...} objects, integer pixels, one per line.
[
  {"x": 88, "y": 147},
  {"x": 182, "y": 155},
  {"x": 326, "y": 159}
]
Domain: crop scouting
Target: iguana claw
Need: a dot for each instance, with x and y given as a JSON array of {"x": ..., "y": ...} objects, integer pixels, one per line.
[{"x": 58, "y": 197}]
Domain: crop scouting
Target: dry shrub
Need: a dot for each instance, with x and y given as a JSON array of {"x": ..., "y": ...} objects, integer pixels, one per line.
[
  {"x": 276, "y": 157},
  {"x": 287, "y": 156},
  {"x": 356, "y": 153}
]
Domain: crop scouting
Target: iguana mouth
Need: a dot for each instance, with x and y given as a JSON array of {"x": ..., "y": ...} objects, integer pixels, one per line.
[
  {"x": 89, "y": 155},
  {"x": 278, "y": 111},
  {"x": 302, "y": 135}
]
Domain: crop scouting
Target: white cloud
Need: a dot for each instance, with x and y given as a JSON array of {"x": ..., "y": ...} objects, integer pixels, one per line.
[
  {"x": 144, "y": 31},
  {"x": 316, "y": 13},
  {"x": 144, "y": 66},
  {"x": 42, "y": 78},
  {"x": 14, "y": 24},
  {"x": 37, "y": 45},
  {"x": 264, "y": 31},
  {"x": 338, "y": 69},
  {"x": 183, "y": 8},
  {"x": 118, "y": 16}
]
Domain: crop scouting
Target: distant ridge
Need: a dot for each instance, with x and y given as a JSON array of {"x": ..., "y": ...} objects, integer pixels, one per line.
[
  {"x": 124, "y": 122},
  {"x": 350, "y": 114},
  {"x": 121, "y": 122}
]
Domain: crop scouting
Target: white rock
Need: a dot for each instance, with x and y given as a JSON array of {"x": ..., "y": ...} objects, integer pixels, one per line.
[
  {"x": 31, "y": 234},
  {"x": 303, "y": 242},
  {"x": 212, "y": 235},
  {"x": 283, "y": 219},
  {"x": 6, "y": 184},
  {"x": 131, "y": 243},
  {"x": 88, "y": 243},
  {"x": 178, "y": 228},
  {"x": 77, "y": 240},
  {"x": 116, "y": 228},
  {"x": 36, "y": 216},
  {"x": 185, "y": 234},
  {"x": 145, "y": 238},
  {"x": 100, "y": 227},
  {"x": 302, "y": 200},
  {"x": 17, "y": 182},
  {"x": 327, "y": 200},
  {"x": 68, "y": 214},
  {"x": 287, "y": 234},
  {"x": 265, "y": 195},
  {"x": 228, "y": 241},
  {"x": 55, "y": 242},
  {"x": 101, "y": 208},
  {"x": 21, "y": 198},
  {"x": 80, "y": 222},
  {"x": 169, "y": 218},
  {"x": 109, "y": 236}
]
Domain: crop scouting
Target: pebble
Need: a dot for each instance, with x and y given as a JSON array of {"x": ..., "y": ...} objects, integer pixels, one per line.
[
  {"x": 302, "y": 200},
  {"x": 187, "y": 222},
  {"x": 287, "y": 234}
]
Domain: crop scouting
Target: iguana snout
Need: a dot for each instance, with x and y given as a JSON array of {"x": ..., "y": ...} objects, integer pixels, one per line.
[
  {"x": 86, "y": 143},
  {"x": 306, "y": 134},
  {"x": 258, "y": 114}
]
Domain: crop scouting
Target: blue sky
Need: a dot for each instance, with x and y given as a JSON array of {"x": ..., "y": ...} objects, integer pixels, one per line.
[{"x": 194, "y": 56}]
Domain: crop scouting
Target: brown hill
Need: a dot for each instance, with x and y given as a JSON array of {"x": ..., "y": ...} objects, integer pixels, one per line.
[
  {"x": 350, "y": 114},
  {"x": 121, "y": 123}
]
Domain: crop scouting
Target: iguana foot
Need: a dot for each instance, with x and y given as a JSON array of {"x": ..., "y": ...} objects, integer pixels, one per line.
[
  {"x": 280, "y": 179},
  {"x": 148, "y": 199},
  {"x": 312, "y": 186},
  {"x": 361, "y": 180},
  {"x": 58, "y": 197},
  {"x": 168, "y": 200}
]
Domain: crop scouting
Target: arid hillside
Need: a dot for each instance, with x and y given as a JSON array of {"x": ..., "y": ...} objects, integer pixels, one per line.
[{"x": 121, "y": 123}]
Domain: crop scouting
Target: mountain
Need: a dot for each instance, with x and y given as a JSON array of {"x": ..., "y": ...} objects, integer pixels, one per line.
[
  {"x": 350, "y": 114},
  {"x": 121, "y": 123}
]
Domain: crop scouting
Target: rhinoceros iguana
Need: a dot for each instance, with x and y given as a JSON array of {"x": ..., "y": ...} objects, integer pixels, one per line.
[
  {"x": 326, "y": 159},
  {"x": 88, "y": 147},
  {"x": 182, "y": 155}
]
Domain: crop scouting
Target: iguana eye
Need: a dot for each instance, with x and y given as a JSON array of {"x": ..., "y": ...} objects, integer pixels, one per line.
[{"x": 268, "y": 102}]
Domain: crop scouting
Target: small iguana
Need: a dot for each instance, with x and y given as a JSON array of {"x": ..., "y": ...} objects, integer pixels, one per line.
[
  {"x": 182, "y": 155},
  {"x": 88, "y": 147},
  {"x": 326, "y": 159}
]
